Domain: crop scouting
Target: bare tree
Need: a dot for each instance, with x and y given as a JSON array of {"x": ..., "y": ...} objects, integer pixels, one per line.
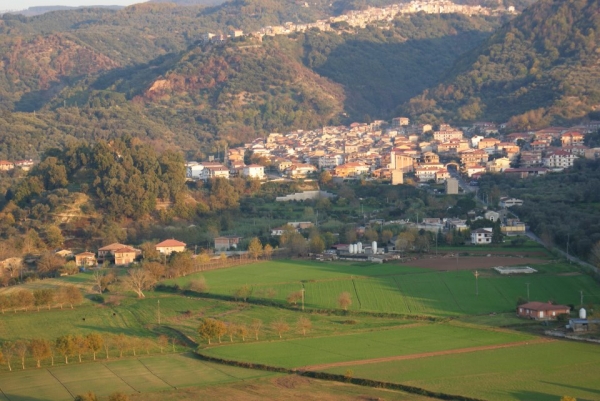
[
  {"x": 256, "y": 326},
  {"x": 65, "y": 345},
  {"x": 121, "y": 342},
  {"x": 39, "y": 349},
  {"x": 243, "y": 293},
  {"x": 107, "y": 340},
  {"x": 139, "y": 280},
  {"x": 95, "y": 343},
  {"x": 304, "y": 324},
  {"x": 344, "y": 300},
  {"x": 20, "y": 347},
  {"x": 198, "y": 285},
  {"x": 8, "y": 350},
  {"x": 81, "y": 345},
  {"x": 280, "y": 327},
  {"x": 294, "y": 297},
  {"x": 242, "y": 330},
  {"x": 163, "y": 342},
  {"x": 231, "y": 330}
]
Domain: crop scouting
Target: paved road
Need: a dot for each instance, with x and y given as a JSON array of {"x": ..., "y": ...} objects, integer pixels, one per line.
[{"x": 571, "y": 258}]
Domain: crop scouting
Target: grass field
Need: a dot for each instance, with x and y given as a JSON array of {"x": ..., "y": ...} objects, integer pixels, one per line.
[
  {"x": 375, "y": 344},
  {"x": 139, "y": 375},
  {"x": 280, "y": 388},
  {"x": 537, "y": 372},
  {"x": 397, "y": 289}
]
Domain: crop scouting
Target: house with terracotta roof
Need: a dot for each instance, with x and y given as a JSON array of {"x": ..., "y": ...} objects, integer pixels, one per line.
[
  {"x": 5, "y": 165},
  {"x": 571, "y": 138},
  {"x": 541, "y": 310},
  {"x": 125, "y": 256},
  {"x": 169, "y": 246},
  {"x": 351, "y": 169},
  {"x": 106, "y": 253},
  {"x": 85, "y": 259}
]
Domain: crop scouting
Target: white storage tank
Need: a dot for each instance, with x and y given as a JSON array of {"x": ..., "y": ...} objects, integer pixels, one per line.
[
  {"x": 359, "y": 247},
  {"x": 351, "y": 248},
  {"x": 374, "y": 245},
  {"x": 582, "y": 313}
]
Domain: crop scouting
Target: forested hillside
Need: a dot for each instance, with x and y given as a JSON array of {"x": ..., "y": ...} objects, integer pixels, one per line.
[
  {"x": 558, "y": 207},
  {"x": 540, "y": 68}
]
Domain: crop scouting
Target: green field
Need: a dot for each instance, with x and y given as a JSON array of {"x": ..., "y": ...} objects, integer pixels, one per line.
[
  {"x": 398, "y": 289},
  {"x": 139, "y": 375},
  {"x": 536, "y": 372},
  {"x": 350, "y": 347}
]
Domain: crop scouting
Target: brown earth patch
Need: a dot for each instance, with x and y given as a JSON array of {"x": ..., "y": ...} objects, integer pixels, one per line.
[
  {"x": 569, "y": 274},
  {"x": 424, "y": 355},
  {"x": 472, "y": 262}
]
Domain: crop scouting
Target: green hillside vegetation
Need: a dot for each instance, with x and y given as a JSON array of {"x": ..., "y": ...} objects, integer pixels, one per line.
[
  {"x": 539, "y": 68},
  {"x": 103, "y": 75},
  {"x": 558, "y": 207},
  {"x": 381, "y": 68}
]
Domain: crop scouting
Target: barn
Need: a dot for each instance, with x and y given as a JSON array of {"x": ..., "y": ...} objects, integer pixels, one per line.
[{"x": 541, "y": 310}]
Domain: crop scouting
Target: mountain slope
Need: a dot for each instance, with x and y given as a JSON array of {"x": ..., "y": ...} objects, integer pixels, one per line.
[{"x": 542, "y": 67}]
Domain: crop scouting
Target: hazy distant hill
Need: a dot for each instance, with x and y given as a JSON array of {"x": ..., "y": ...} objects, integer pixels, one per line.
[
  {"x": 33, "y": 11},
  {"x": 542, "y": 66}
]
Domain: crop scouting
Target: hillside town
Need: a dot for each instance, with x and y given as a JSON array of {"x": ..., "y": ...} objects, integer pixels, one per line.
[
  {"x": 397, "y": 150},
  {"x": 361, "y": 18}
]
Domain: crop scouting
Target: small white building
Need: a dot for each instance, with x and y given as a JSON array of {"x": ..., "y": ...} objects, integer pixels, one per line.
[
  {"x": 491, "y": 215},
  {"x": 254, "y": 171},
  {"x": 509, "y": 202},
  {"x": 482, "y": 236}
]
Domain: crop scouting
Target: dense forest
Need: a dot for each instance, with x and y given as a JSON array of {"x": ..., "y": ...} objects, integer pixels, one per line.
[{"x": 539, "y": 69}]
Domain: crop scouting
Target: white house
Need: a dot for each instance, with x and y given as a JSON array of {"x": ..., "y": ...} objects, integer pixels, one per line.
[
  {"x": 509, "y": 202},
  {"x": 482, "y": 236},
  {"x": 330, "y": 162},
  {"x": 194, "y": 170},
  {"x": 254, "y": 171},
  {"x": 559, "y": 158}
]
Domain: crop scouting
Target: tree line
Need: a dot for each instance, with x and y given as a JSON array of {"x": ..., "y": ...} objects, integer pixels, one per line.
[
  {"x": 40, "y": 299},
  {"x": 92, "y": 345}
]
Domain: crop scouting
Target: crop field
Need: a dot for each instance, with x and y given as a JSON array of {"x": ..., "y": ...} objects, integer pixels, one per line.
[
  {"x": 139, "y": 375},
  {"x": 406, "y": 290},
  {"x": 535, "y": 372},
  {"x": 289, "y": 387},
  {"x": 359, "y": 346}
]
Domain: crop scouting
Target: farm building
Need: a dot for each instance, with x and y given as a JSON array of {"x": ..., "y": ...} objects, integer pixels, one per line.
[
  {"x": 169, "y": 246},
  {"x": 85, "y": 259},
  {"x": 226, "y": 242},
  {"x": 541, "y": 310}
]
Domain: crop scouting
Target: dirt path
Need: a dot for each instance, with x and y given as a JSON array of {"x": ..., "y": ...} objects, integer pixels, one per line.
[{"x": 424, "y": 355}]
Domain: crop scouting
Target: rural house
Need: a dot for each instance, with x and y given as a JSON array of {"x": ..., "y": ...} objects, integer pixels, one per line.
[
  {"x": 541, "y": 310},
  {"x": 226, "y": 242},
  {"x": 169, "y": 246},
  {"x": 125, "y": 256},
  {"x": 106, "y": 253},
  {"x": 482, "y": 236},
  {"x": 85, "y": 259}
]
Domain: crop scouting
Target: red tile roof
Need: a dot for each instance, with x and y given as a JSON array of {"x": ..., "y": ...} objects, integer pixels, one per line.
[
  {"x": 542, "y": 306},
  {"x": 170, "y": 243}
]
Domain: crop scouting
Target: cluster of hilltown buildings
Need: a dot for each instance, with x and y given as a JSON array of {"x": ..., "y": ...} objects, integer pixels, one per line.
[
  {"x": 393, "y": 150},
  {"x": 361, "y": 18},
  {"x": 24, "y": 165}
]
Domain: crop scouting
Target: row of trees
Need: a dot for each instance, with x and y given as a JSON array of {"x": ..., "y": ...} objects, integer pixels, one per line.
[
  {"x": 42, "y": 298},
  {"x": 80, "y": 346},
  {"x": 211, "y": 328}
]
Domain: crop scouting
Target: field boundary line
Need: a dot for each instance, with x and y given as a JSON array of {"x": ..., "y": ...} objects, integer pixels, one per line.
[
  {"x": 120, "y": 378},
  {"x": 452, "y": 294},
  {"x": 356, "y": 292},
  {"x": 155, "y": 375},
  {"x": 61, "y": 383},
  {"x": 424, "y": 355},
  {"x": 402, "y": 294},
  {"x": 4, "y": 394}
]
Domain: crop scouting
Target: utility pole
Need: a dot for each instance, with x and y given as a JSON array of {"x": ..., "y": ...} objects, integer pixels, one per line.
[
  {"x": 568, "y": 239},
  {"x": 303, "y": 297},
  {"x": 581, "y": 293},
  {"x": 527, "y": 292},
  {"x": 476, "y": 283},
  {"x": 158, "y": 302}
]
